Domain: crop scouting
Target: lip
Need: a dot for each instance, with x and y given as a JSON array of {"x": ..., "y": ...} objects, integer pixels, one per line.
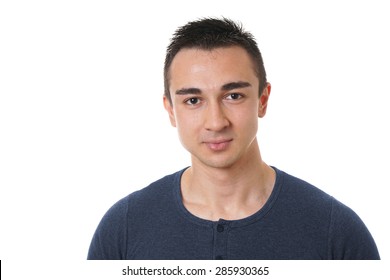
[{"x": 218, "y": 145}]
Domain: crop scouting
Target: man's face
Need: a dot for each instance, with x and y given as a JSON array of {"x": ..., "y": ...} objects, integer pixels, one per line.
[{"x": 216, "y": 105}]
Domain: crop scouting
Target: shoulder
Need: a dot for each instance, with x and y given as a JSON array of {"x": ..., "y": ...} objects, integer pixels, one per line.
[
  {"x": 302, "y": 193},
  {"x": 147, "y": 196},
  {"x": 110, "y": 238},
  {"x": 349, "y": 238},
  {"x": 347, "y": 235},
  {"x": 301, "y": 204},
  {"x": 155, "y": 195}
]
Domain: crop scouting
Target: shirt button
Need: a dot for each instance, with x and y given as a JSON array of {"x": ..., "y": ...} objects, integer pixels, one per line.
[{"x": 220, "y": 228}]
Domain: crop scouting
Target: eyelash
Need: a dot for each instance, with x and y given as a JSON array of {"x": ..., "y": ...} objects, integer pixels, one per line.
[
  {"x": 188, "y": 101},
  {"x": 239, "y": 95},
  {"x": 197, "y": 99}
]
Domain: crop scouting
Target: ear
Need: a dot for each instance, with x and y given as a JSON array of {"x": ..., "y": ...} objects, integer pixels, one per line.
[
  {"x": 169, "y": 107},
  {"x": 263, "y": 100}
]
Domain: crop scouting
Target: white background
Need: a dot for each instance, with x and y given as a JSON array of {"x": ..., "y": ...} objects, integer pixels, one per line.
[{"x": 82, "y": 123}]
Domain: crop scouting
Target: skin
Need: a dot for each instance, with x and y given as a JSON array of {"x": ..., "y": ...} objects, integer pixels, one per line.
[{"x": 215, "y": 108}]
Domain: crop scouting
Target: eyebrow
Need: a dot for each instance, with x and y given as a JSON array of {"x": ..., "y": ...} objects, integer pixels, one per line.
[
  {"x": 235, "y": 85},
  {"x": 184, "y": 91},
  {"x": 225, "y": 87}
]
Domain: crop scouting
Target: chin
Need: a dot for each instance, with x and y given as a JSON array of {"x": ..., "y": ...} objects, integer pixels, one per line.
[{"x": 217, "y": 163}]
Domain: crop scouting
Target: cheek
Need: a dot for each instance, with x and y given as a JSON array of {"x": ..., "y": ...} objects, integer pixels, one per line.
[
  {"x": 248, "y": 126},
  {"x": 186, "y": 124},
  {"x": 247, "y": 118},
  {"x": 189, "y": 118}
]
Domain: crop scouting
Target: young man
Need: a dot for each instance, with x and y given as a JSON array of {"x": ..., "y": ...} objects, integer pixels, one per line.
[{"x": 229, "y": 204}]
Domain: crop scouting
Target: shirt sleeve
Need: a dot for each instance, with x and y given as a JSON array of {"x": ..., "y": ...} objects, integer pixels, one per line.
[
  {"x": 110, "y": 238},
  {"x": 349, "y": 238}
]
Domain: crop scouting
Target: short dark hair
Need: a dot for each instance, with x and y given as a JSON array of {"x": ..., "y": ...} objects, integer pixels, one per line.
[{"x": 211, "y": 33}]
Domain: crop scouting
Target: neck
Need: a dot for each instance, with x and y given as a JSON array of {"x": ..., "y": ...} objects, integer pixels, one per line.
[{"x": 230, "y": 193}]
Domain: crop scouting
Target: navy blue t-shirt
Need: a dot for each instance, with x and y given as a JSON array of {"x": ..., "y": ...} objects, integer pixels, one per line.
[{"x": 298, "y": 221}]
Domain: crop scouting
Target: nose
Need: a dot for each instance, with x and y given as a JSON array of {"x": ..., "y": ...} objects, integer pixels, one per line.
[{"x": 215, "y": 117}]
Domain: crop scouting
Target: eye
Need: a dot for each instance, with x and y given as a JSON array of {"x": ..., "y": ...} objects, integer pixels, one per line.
[
  {"x": 192, "y": 101},
  {"x": 234, "y": 96}
]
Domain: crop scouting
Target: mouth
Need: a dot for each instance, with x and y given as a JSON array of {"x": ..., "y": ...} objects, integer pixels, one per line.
[{"x": 218, "y": 145}]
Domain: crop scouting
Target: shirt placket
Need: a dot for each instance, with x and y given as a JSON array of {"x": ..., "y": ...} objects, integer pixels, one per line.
[{"x": 221, "y": 229}]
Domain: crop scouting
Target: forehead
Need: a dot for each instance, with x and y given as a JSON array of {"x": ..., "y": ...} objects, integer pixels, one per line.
[{"x": 219, "y": 65}]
